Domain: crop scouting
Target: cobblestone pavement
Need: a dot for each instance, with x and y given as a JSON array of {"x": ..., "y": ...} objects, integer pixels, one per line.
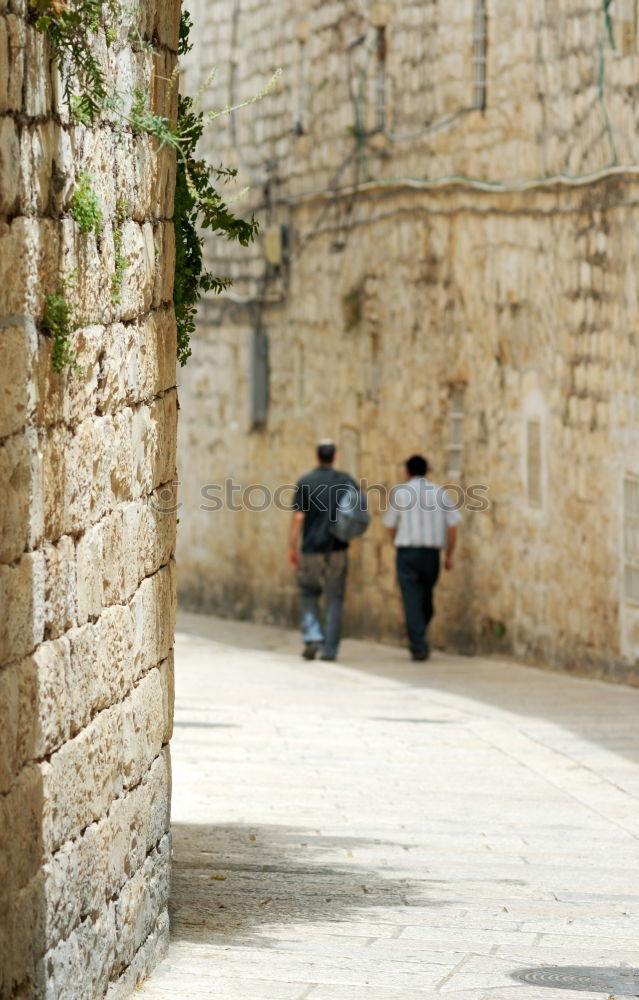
[{"x": 391, "y": 831}]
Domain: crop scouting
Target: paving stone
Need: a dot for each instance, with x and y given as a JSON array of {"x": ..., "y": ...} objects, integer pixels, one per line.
[{"x": 323, "y": 852}]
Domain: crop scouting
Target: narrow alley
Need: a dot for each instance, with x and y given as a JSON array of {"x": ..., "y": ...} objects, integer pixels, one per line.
[{"x": 386, "y": 830}]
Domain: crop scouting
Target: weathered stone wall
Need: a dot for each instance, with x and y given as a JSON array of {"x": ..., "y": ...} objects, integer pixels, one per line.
[
  {"x": 398, "y": 297},
  {"x": 86, "y": 557}
]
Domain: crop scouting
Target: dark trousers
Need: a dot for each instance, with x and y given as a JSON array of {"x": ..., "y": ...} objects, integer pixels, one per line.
[{"x": 417, "y": 572}]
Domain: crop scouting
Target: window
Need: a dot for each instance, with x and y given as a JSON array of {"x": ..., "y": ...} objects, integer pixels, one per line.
[
  {"x": 631, "y": 538},
  {"x": 533, "y": 462},
  {"x": 480, "y": 46},
  {"x": 625, "y": 26},
  {"x": 455, "y": 448},
  {"x": 258, "y": 388}
]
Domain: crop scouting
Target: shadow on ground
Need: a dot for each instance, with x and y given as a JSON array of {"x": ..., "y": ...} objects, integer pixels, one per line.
[
  {"x": 600, "y": 712},
  {"x": 229, "y": 881}
]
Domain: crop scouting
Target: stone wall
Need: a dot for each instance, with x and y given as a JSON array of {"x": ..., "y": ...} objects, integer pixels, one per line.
[
  {"x": 405, "y": 295},
  {"x": 87, "y": 459}
]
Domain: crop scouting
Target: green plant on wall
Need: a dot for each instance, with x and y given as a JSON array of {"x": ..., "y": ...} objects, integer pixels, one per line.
[
  {"x": 71, "y": 26},
  {"x": 85, "y": 206},
  {"x": 58, "y": 323},
  {"x": 198, "y": 206},
  {"x": 121, "y": 260}
]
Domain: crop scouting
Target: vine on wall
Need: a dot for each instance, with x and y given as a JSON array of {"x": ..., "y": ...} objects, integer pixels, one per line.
[{"x": 72, "y": 26}]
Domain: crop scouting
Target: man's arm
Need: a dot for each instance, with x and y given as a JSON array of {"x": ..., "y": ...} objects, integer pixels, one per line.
[
  {"x": 391, "y": 533},
  {"x": 450, "y": 545},
  {"x": 293, "y": 539}
]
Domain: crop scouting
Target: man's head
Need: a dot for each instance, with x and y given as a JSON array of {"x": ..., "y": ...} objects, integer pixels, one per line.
[
  {"x": 416, "y": 466},
  {"x": 326, "y": 451}
]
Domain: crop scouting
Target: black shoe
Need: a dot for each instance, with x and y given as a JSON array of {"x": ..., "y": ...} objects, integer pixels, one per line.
[
  {"x": 328, "y": 659},
  {"x": 310, "y": 651},
  {"x": 421, "y": 655}
]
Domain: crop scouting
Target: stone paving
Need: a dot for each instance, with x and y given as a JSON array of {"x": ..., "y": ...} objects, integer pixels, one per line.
[{"x": 382, "y": 830}]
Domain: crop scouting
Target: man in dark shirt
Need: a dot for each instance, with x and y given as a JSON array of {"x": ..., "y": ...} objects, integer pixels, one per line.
[{"x": 323, "y": 562}]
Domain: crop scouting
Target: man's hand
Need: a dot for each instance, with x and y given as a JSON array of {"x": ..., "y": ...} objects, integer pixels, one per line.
[
  {"x": 293, "y": 539},
  {"x": 448, "y": 564}
]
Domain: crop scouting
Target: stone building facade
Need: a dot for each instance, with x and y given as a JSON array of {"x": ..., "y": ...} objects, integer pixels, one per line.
[
  {"x": 449, "y": 200},
  {"x": 86, "y": 554}
]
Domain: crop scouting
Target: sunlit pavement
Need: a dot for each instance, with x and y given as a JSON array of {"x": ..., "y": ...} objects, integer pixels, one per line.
[{"x": 387, "y": 830}]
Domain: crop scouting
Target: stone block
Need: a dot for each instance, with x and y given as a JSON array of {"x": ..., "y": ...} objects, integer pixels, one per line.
[
  {"x": 86, "y": 873},
  {"x": 143, "y": 897},
  {"x": 63, "y": 165},
  {"x": 43, "y": 699},
  {"x": 9, "y": 721},
  {"x": 165, "y": 188},
  {"x": 120, "y": 460},
  {"x": 61, "y": 587},
  {"x": 20, "y": 809},
  {"x": 142, "y": 728},
  {"x": 131, "y": 537},
  {"x": 28, "y": 264},
  {"x": 9, "y": 163},
  {"x": 79, "y": 967},
  {"x": 156, "y": 530},
  {"x": 37, "y": 83},
  {"x": 16, "y": 487},
  {"x": 21, "y": 936},
  {"x": 167, "y": 676},
  {"x": 118, "y": 368},
  {"x": 115, "y": 662},
  {"x": 162, "y": 448},
  {"x": 137, "y": 286},
  {"x": 12, "y": 47},
  {"x": 117, "y": 562},
  {"x": 167, "y": 22},
  {"x": 68, "y": 464},
  {"x": 82, "y": 779},
  {"x": 153, "y": 951},
  {"x": 113, "y": 752},
  {"x": 153, "y": 608},
  {"x": 17, "y": 391},
  {"x": 37, "y": 145},
  {"x": 89, "y": 581},
  {"x": 165, "y": 270},
  {"x": 85, "y": 686},
  {"x": 22, "y": 601},
  {"x": 109, "y": 454}
]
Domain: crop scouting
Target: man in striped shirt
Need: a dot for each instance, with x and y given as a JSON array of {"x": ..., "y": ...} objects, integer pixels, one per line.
[{"x": 421, "y": 520}]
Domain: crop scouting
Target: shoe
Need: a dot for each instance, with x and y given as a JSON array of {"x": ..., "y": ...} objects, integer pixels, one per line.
[
  {"x": 328, "y": 659},
  {"x": 421, "y": 655},
  {"x": 310, "y": 651}
]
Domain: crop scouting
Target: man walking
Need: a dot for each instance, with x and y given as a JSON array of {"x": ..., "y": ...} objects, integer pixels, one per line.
[
  {"x": 421, "y": 520},
  {"x": 323, "y": 562}
]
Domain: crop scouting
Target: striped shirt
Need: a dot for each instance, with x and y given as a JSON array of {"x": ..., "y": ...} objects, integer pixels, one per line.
[{"x": 422, "y": 512}]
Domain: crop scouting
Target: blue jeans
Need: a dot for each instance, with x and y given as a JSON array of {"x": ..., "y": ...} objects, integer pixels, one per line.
[
  {"x": 417, "y": 572},
  {"x": 322, "y": 573}
]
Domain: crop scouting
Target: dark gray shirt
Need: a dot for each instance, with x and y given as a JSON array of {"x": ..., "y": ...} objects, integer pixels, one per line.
[{"x": 316, "y": 497}]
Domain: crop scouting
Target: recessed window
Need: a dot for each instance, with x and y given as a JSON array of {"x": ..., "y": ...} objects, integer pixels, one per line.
[
  {"x": 480, "y": 53},
  {"x": 625, "y": 26},
  {"x": 533, "y": 462},
  {"x": 455, "y": 447},
  {"x": 631, "y": 538},
  {"x": 259, "y": 378}
]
